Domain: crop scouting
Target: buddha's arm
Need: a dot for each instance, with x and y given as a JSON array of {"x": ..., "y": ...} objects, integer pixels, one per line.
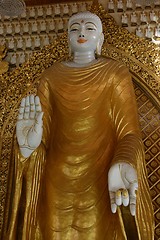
[
  {"x": 125, "y": 119},
  {"x": 46, "y": 99},
  {"x": 41, "y": 107},
  {"x": 32, "y": 160},
  {"x": 129, "y": 150},
  {"x": 30, "y": 125}
]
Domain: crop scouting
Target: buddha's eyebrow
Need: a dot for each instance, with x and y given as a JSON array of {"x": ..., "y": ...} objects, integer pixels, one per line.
[
  {"x": 74, "y": 24},
  {"x": 91, "y": 23}
]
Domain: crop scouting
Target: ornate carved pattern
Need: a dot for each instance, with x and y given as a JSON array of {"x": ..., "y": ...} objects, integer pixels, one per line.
[
  {"x": 3, "y": 64},
  {"x": 142, "y": 59},
  {"x": 150, "y": 125}
]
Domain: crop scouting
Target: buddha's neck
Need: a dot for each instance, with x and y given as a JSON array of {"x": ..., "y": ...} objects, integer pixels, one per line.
[{"x": 83, "y": 57}]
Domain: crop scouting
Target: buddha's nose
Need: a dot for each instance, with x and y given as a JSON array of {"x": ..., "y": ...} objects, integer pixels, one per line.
[{"x": 81, "y": 35}]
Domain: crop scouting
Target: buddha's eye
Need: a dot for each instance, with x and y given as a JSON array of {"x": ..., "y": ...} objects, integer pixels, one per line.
[
  {"x": 73, "y": 30},
  {"x": 91, "y": 29}
]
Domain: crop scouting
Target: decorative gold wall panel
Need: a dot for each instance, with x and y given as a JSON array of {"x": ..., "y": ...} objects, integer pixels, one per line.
[
  {"x": 150, "y": 125},
  {"x": 143, "y": 60}
]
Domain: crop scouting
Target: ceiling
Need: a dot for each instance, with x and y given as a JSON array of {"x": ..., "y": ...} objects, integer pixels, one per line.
[{"x": 42, "y": 2}]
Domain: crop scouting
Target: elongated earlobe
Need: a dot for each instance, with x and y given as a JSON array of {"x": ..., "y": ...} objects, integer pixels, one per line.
[
  {"x": 99, "y": 44},
  {"x": 98, "y": 50}
]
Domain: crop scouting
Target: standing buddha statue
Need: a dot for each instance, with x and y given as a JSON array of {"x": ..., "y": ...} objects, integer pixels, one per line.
[{"x": 79, "y": 149}]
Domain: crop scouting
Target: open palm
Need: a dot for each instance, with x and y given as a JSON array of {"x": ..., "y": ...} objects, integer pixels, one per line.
[{"x": 29, "y": 125}]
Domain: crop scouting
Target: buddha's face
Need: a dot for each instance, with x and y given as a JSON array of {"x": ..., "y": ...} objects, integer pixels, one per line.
[{"x": 83, "y": 35}]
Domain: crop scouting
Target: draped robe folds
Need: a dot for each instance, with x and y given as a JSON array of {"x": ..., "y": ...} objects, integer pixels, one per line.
[{"x": 90, "y": 122}]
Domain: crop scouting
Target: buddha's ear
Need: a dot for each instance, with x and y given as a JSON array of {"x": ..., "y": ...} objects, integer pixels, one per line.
[
  {"x": 99, "y": 44},
  {"x": 69, "y": 50}
]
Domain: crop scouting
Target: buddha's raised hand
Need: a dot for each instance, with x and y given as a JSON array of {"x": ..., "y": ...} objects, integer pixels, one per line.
[
  {"x": 29, "y": 125},
  {"x": 122, "y": 184}
]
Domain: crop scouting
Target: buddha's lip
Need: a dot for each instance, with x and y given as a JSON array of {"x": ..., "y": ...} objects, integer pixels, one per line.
[{"x": 81, "y": 40}]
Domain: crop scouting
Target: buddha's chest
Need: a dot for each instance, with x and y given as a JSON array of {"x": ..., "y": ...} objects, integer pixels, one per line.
[{"x": 81, "y": 95}]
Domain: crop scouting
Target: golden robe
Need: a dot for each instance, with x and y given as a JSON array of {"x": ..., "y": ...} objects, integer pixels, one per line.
[{"x": 90, "y": 123}]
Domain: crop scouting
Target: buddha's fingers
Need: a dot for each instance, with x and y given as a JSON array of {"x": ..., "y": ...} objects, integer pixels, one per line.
[
  {"x": 118, "y": 198},
  {"x": 38, "y": 104},
  {"x": 39, "y": 122},
  {"x": 27, "y": 108},
  {"x": 21, "y": 109},
  {"x": 125, "y": 197},
  {"x": 133, "y": 189},
  {"x": 112, "y": 201},
  {"x": 32, "y": 107},
  {"x": 132, "y": 206}
]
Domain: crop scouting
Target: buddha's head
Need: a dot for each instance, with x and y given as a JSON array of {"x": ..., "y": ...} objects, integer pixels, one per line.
[{"x": 85, "y": 33}]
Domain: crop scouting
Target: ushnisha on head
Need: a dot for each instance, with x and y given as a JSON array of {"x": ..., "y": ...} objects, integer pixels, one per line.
[{"x": 85, "y": 33}]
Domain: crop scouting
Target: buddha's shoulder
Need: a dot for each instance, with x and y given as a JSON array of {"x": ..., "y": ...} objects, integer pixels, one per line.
[
  {"x": 116, "y": 71},
  {"x": 113, "y": 63}
]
